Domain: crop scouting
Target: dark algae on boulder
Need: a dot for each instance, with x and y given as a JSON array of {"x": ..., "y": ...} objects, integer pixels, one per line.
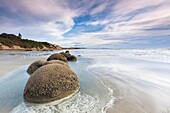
[{"x": 51, "y": 82}]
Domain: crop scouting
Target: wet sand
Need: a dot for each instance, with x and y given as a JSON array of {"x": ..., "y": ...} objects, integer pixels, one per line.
[
  {"x": 11, "y": 60},
  {"x": 9, "y": 64},
  {"x": 128, "y": 99}
]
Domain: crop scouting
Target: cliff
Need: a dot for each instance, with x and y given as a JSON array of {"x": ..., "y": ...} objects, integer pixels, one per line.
[{"x": 13, "y": 42}]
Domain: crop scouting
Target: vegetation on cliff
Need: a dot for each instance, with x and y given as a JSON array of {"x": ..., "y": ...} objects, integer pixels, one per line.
[{"x": 11, "y": 40}]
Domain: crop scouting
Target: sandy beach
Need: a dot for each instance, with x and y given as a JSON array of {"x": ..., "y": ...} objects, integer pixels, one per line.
[
  {"x": 10, "y": 64},
  {"x": 129, "y": 99},
  {"x": 11, "y": 60}
]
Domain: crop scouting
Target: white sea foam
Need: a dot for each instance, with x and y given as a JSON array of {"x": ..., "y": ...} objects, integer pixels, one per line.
[{"x": 80, "y": 103}]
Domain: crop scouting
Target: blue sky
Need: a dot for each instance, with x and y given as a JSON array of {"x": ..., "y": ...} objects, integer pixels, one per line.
[{"x": 89, "y": 23}]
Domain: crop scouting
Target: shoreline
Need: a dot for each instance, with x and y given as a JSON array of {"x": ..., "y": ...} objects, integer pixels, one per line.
[
  {"x": 30, "y": 49},
  {"x": 124, "y": 98}
]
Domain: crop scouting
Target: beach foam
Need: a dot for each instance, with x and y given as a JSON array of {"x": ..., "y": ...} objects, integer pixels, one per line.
[{"x": 80, "y": 103}]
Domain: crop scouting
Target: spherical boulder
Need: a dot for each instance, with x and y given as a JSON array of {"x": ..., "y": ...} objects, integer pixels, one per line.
[
  {"x": 57, "y": 56},
  {"x": 35, "y": 65},
  {"x": 51, "y": 82}
]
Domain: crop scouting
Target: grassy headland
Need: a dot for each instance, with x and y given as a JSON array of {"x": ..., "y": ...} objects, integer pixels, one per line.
[{"x": 13, "y": 42}]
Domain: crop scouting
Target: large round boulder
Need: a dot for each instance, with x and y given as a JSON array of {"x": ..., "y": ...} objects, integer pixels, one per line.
[
  {"x": 57, "y": 56},
  {"x": 37, "y": 64},
  {"x": 51, "y": 82}
]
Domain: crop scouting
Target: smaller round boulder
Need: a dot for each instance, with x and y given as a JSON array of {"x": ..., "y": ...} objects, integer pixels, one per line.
[
  {"x": 35, "y": 65},
  {"x": 57, "y": 56}
]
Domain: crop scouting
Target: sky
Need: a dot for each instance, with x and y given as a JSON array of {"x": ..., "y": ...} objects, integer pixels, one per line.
[{"x": 89, "y": 23}]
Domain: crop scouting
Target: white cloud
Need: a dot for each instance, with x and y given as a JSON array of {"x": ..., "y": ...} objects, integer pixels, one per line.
[
  {"x": 42, "y": 8},
  {"x": 99, "y": 8},
  {"x": 45, "y": 13},
  {"x": 57, "y": 29},
  {"x": 149, "y": 17},
  {"x": 99, "y": 22},
  {"x": 124, "y": 7}
]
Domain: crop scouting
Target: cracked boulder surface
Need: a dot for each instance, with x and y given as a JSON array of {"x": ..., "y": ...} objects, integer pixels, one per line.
[{"x": 49, "y": 83}]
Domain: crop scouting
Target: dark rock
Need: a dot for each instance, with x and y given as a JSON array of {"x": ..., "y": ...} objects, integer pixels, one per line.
[
  {"x": 72, "y": 58},
  {"x": 67, "y": 52},
  {"x": 57, "y": 56},
  {"x": 49, "y": 83},
  {"x": 69, "y": 56}
]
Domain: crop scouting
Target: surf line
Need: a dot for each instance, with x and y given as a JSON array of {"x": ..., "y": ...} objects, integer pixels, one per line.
[{"x": 111, "y": 101}]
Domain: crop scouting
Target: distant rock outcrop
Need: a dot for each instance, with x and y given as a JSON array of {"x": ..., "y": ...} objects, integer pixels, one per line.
[
  {"x": 51, "y": 82},
  {"x": 13, "y": 42}
]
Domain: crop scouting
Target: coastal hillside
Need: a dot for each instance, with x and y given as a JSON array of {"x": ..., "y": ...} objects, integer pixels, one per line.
[{"x": 13, "y": 42}]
